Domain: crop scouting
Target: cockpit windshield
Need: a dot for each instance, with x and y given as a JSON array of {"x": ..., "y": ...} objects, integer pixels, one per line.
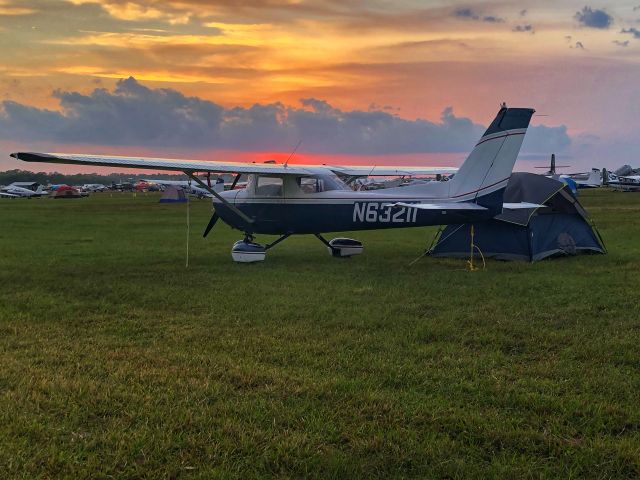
[{"x": 321, "y": 183}]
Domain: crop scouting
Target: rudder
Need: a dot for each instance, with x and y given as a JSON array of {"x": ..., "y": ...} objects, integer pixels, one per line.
[{"x": 484, "y": 174}]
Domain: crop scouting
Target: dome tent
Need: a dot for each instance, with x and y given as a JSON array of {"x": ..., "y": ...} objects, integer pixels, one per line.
[
  {"x": 561, "y": 227},
  {"x": 174, "y": 195}
]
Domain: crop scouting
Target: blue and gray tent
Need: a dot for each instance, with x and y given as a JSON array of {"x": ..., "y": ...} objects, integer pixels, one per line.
[{"x": 561, "y": 227}]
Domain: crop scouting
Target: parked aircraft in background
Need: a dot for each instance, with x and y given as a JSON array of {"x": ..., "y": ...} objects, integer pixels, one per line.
[
  {"x": 122, "y": 187},
  {"x": 23, "y": 190},
  {"x": 94, "y": 187},
  {"x": 287, "y": 199},
  {"x": 625, "y": 183},
  {"x": 552, "y": 167},
  {"x": 590, "y": 179}
]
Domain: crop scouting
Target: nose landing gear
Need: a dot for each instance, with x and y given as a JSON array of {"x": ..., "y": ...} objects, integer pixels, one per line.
[{"x": 248, "y": 251}]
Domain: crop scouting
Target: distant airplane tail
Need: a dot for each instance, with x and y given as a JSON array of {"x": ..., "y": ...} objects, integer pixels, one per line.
[
  {"x": 39, "y": 190},
  {"x": 484, "y": 174},
  {"x": 594, "y": 178}
]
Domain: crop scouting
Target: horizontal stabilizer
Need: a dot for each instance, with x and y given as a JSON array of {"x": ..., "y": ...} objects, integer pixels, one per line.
[
  {"x": 463, "y": 206},
  {"x": 521, "y": 205}
]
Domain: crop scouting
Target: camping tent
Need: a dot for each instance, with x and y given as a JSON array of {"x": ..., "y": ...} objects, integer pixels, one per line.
[
  {"x": 561, "y": 227},
  {"x": 65, "y": 191},
  {"x": 173, "y": 195}
]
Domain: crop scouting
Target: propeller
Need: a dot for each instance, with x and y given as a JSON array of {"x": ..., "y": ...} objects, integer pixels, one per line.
[{"x": 212, "y": 222}]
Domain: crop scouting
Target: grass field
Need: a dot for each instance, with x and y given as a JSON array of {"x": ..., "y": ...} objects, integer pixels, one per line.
[{"x": 116, "y": 361}]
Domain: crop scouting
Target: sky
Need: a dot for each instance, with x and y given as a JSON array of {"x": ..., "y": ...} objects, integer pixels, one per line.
[{"x": 359, "y": 82}]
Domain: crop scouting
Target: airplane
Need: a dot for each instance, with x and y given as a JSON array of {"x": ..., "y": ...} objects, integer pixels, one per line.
[
  {"x": 22, "y": 190},
  {"x": 591, "y": 179},
  {"x": 122, "y": 187},
  {"x": 552, "y": 167},
  {"x": 285, "y": 200},
  {"x": 94, "y": 187},
  {"x": 625, "y": 183}
]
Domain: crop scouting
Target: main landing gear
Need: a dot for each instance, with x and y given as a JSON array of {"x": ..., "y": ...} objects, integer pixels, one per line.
[{"x": 248, "y": 251}]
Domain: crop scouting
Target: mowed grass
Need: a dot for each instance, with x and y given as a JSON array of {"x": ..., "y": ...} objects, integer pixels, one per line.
[{"x": 116, "y": 361}]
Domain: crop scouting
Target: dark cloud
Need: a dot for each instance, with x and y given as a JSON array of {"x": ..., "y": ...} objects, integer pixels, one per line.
[
  {"x": 632, "y": 31},
  {"x": 593, "y": 18},
  {"x": 542, "y": 138},
  {"x": 621, "y": 44},
  {"x": 466, "y": 13},
  {"x": 524, "y": 28},
  {"x": 473, "y": 15},
  {"x": 135, "y": 115}
]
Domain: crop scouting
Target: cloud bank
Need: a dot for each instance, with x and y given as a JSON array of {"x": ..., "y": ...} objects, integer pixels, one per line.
[
  {"x": 135, "y": 115},
  {"x": 589, "y": 17}
]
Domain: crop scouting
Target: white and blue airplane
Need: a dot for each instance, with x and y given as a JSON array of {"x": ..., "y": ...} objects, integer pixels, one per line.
[
  {"x": 624, "y": 183},
  {"x": 23, "y": 190},
  {"x": 290, "y": 200}
]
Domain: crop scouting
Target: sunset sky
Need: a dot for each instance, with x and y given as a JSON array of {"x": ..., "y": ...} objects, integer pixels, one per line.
[{"x": 406, "y": 82}]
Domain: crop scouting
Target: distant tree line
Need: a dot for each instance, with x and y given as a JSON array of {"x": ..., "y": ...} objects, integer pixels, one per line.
[{"x": 56, "y": 178}]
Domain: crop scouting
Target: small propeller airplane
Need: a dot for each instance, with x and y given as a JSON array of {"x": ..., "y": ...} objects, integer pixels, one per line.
[
  {"x": 592, "y": 179},
  {"x": 23, "y": 190},
  {"x": 624, "y": 183},
  {"x": 285, "y": 200}
]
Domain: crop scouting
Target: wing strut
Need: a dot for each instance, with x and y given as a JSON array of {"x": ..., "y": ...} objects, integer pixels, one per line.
[{"x": 232, "y": 207}]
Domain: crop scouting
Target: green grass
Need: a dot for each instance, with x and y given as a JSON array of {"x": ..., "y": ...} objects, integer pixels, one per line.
[{"x": 116, "y": 361}]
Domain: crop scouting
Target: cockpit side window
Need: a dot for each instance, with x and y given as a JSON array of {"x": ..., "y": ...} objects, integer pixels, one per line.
[
  {"x": 269, "y": 186},
  {"x": 321, "y": 183},
  {"x": 308, "y": 184}
]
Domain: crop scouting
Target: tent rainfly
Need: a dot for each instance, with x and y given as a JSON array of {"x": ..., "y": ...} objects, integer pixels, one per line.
[{"x": 561, "y": 227}]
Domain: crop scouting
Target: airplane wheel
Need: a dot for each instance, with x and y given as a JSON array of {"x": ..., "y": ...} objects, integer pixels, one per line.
[{"x": 244, "y": 251}]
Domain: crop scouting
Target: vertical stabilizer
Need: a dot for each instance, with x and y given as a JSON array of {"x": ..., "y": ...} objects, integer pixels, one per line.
[{"x": 486, "y": 171}]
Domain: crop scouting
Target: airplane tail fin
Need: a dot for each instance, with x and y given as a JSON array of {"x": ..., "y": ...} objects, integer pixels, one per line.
[
  {"x": 484, "y": 174},
  {"x": 594, "y": 178},
  {"x": 39, "y": 189}
]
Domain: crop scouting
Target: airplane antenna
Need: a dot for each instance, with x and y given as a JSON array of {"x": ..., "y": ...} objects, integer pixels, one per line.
[{"x": 291, "y": 154}]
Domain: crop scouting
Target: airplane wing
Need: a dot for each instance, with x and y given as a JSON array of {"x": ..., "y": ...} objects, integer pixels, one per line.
[
  {"x": 191, "y": 166},
  {"x": 388, "y": 171},
  {"x": 464, "y": 206},
  {"x": 187, "y": 166},
  {"x": 10, "y": 195}
]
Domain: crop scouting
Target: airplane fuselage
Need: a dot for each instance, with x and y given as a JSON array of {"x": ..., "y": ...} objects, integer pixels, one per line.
[{"x": 342, "y": 210}]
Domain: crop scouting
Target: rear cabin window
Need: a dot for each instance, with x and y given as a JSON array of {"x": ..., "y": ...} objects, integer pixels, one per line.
[{"x": 269, "y": 187}]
